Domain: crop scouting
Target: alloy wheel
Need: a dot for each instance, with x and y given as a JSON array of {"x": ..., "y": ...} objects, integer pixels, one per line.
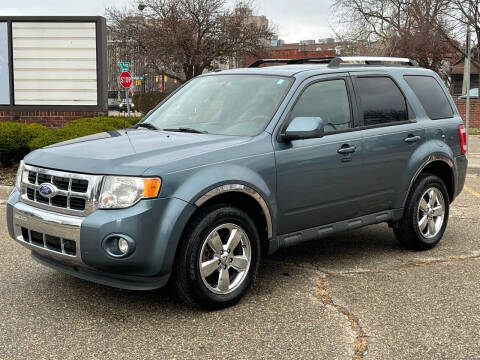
[
  {"x": 225, "y": 258},
  {"x": 431, "y": 213}
]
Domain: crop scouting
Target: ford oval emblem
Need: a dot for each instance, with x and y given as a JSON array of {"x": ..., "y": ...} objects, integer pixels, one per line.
[{"x": 47, "y": 190}]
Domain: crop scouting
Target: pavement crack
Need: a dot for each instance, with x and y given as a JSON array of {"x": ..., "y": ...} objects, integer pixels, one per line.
[
  {"x": 431, "y": 262},
  {"x": 360, "y": 343}
]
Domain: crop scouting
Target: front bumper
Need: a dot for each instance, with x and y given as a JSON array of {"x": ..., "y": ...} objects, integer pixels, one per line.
[
  {"x": 115, "y": 280},
  {"x": 47, "y": 232},
  {"x": 156, "y": 225}
]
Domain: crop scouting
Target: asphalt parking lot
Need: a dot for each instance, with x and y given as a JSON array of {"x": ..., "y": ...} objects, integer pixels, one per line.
[{"x": 354, "y": 295}]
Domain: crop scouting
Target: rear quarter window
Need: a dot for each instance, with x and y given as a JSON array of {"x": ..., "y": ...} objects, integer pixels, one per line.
[{"x": 431, "y": 96}]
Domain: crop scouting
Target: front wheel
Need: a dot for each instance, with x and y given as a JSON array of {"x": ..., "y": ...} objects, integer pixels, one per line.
[
  {"x": 425, "y": 215},
  {"x": 218, "y": 258}
]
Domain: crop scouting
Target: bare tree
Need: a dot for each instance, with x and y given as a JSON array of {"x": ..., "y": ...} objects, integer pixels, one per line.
[
  {"x": 418, "y": 29},
  {"x": 462, "y": 13},
  {"x": 183, "y": 38}
]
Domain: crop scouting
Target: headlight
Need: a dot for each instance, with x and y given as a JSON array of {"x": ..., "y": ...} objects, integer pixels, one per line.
[
  {"x": 119, "y": 192},
  {"x": 18, "y": 180}
]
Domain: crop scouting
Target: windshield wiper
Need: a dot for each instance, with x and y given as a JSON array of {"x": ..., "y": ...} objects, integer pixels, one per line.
[
  {"x": 187, "y": 130},
  {"x": 146, "y": 126}
]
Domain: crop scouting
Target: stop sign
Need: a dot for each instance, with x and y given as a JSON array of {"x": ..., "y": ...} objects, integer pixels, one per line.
[{"x": 126, "y": 79}]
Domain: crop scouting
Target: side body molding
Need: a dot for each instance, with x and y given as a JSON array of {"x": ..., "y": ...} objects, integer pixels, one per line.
[{"x": 243, "y": 189}]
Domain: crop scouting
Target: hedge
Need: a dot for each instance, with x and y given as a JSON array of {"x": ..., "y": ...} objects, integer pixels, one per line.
[
  {"x": 17, "y": 139},
  {"x": 144, "y": 102}
]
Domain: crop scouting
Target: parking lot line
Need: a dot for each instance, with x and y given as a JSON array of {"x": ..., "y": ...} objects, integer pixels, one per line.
[{"x": 473, "y": 192}]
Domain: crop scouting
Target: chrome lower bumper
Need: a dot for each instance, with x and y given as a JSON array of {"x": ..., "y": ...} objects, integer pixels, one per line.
[{"x": 47, "y": 233}]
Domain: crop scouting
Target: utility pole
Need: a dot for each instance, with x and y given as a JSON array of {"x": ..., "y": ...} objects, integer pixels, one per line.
[{"x": 468, "y": 73}]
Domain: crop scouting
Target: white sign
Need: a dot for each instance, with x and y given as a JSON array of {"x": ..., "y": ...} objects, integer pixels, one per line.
[
  {"x": 55, "y": 63},
  {"x": 4, "y": 72}
]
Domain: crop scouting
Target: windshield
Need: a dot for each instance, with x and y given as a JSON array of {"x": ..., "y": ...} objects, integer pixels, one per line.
[{"x": 240, "y": 105}]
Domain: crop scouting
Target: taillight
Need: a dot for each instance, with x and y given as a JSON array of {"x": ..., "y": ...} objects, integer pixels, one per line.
[{"x": 463, "y": 138}]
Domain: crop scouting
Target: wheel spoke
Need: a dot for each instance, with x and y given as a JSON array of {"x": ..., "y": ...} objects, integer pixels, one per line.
[
  {"x": 422, "y": 224},
  {"x": 234, "y": 239},
  {"x": 433, "y": 197},
  {"x": 431, "y": 227},
  {"x": 423, "y": 205},
  {"x": 208, "y": 267},
  {"x": 215, "y": 243},
  {"x": 239, "y": 262},
  {"x": 224, "y": 280},
  {"x": 438, "y": 211}
]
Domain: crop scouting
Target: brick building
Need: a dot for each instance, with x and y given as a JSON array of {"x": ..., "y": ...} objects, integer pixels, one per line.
[
  {"x": 474, "y": 111},
  {"x": 457, "y": 77},
  {"x": 293, "y": 51}
]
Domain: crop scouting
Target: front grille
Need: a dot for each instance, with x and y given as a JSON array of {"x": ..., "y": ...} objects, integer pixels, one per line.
[
  {"x": 77, "y": 203},
  {"x": 75, "y": 193},
  {"x": 53, "y": 243},
  {"x": 61, "y": 183},
  {"x": 80, "y": 186},
  {"x": 62, "y": 201}
]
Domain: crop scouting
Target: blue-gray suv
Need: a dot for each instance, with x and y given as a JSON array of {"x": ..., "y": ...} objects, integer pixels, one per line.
[{"x": 239, "y": 163}]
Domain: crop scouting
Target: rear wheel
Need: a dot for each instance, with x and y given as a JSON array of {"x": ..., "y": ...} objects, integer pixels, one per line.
[
  {"x": 218, "y": 258},
  {"x": 425, "y": 215}
]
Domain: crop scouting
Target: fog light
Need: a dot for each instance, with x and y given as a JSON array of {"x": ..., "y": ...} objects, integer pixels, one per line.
[
  {"x": 123, "y": 245},
  {"x": 119, "y": 245}
]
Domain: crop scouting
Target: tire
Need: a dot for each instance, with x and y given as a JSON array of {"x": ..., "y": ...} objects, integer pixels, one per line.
[
  {"x": 425, "y": 216},
  {"x": 200, "y": 246}
]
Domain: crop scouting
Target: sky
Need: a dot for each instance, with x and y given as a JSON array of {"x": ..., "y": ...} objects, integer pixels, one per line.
[{"x": 294, "y": 19}]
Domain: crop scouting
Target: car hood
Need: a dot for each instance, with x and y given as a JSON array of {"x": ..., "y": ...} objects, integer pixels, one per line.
[{"x": 129, "y": 152}]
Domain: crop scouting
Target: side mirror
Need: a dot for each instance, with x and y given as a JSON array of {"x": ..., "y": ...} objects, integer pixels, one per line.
[{"x": 301, "y": 128}]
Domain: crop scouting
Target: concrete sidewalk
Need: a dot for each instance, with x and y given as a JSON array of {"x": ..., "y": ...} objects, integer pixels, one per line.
[{"x": 474, "y": 155}]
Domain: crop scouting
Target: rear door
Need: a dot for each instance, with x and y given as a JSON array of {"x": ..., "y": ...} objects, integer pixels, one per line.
[
  {"x": 390, "y": 136},
  {"x": 434, "y": 99}
]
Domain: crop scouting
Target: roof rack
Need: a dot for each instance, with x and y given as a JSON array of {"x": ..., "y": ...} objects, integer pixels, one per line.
[
  {"x": 322, "y": 60},
  {"x": 370, "y": 60}
]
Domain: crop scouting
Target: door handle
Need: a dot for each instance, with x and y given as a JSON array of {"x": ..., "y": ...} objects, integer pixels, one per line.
[
  {"x": 347, "y": 149},
  {"x": 412, "y": 139}
]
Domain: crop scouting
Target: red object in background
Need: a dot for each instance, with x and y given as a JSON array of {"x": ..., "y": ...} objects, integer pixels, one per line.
[
  {"x": 126, "y": 79},
  {"x": 163, "y": 84}
]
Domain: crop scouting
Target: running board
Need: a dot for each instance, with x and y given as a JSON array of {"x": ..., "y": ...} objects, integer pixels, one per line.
[{"x": 298, "y": 237}]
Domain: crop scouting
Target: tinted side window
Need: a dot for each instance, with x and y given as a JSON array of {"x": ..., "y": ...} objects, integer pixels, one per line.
[
  {"x": 381, "y": 101},
  {"x": 431, "y": 95},
  {"x": 327, "y": 100}
]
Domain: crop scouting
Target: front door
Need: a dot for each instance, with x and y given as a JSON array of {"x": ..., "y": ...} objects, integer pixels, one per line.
[{"x": 320, "y": 181}]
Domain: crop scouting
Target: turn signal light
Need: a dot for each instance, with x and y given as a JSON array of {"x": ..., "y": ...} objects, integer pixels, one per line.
[{"x": 151, "y": 187}]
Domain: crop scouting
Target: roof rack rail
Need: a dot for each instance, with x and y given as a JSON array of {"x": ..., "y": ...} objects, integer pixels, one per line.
[
  {"x": 321, "y": 60},
  {"x": 371, "y": 60}
]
